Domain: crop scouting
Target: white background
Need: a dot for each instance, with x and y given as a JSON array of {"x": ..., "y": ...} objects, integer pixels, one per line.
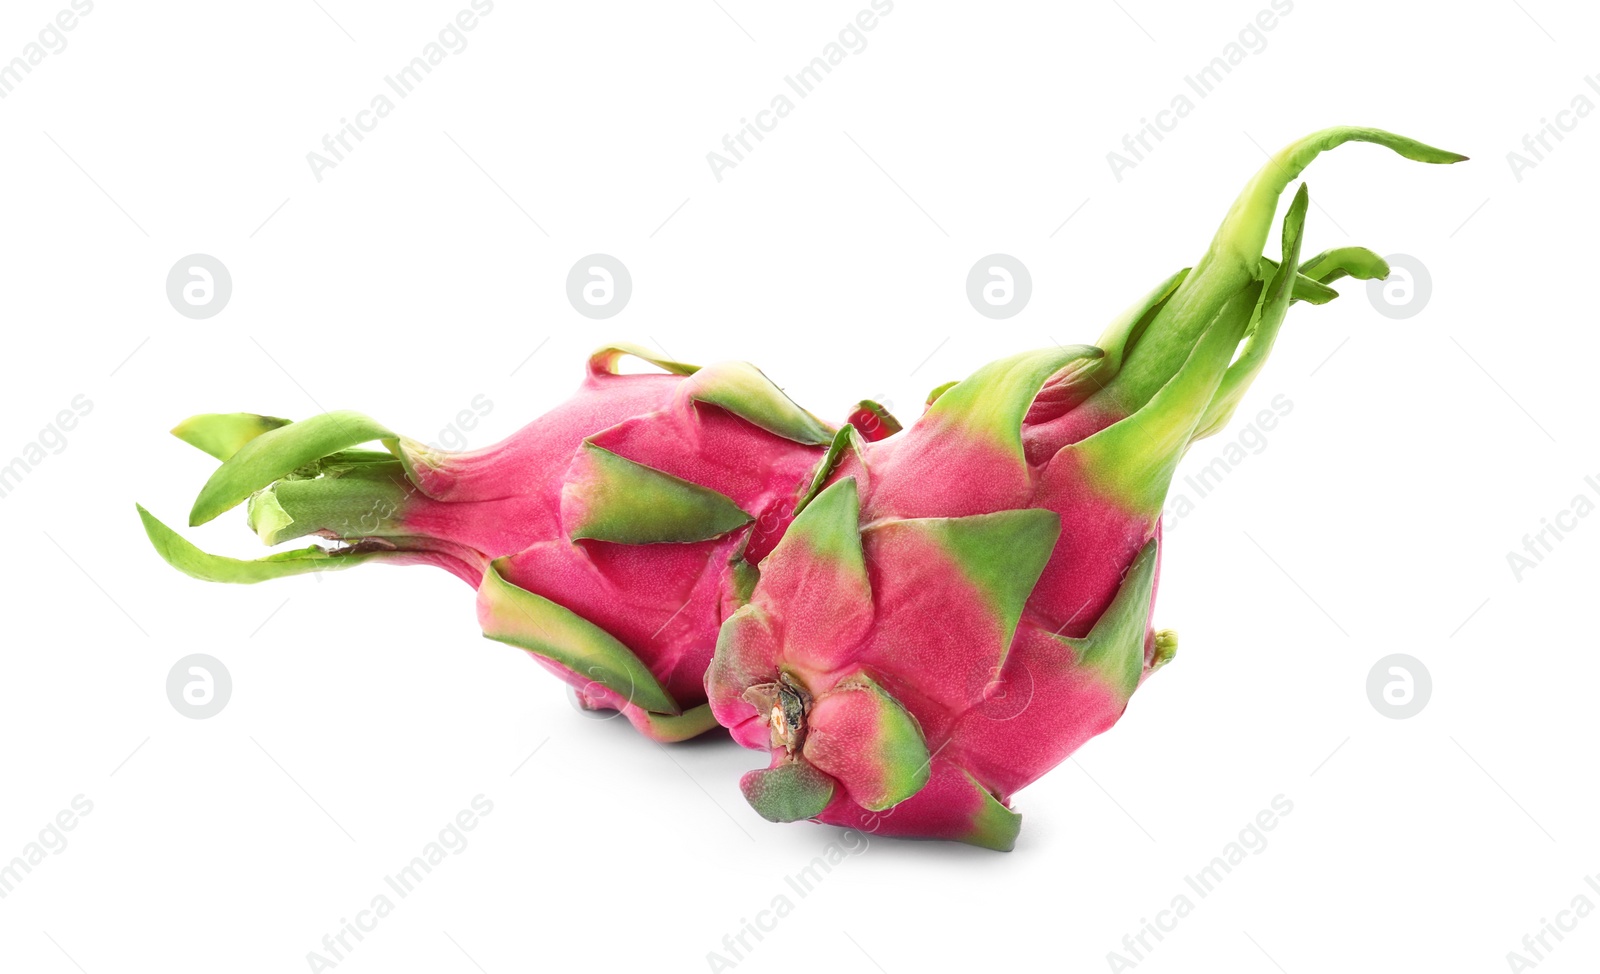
[{"x": 420, "y": 272}]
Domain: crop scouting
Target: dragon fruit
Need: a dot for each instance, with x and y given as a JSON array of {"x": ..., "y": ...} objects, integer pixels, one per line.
[
  {"x": 913, "y": 624},
  {"x": 964, "y": 605},
  {"x": 609, "y": 538}
]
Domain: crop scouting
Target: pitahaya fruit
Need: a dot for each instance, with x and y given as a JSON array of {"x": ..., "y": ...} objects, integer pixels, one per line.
[
  {"x": 609, "y": 538},
  {"x": 966, "y": 604},
  {"x": 914, "y": 626}
]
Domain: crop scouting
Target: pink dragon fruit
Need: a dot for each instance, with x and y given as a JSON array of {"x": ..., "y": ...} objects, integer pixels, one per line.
[
  {"x": 966, "y": 604},
  {"x": 915, "y": 626},
  {"x": 609, "y": 538}
]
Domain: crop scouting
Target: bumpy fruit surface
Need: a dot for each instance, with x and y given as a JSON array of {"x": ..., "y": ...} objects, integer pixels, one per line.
[
  {"x": 967, "y": 603},
  {"x": 913, "y": 625},
  {"x": 609, "y": 538}
]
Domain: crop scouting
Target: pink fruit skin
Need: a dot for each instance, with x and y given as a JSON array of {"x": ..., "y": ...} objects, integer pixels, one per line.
[
  {"x": 984, "y": 603},
  {"x": 1009, "y": 746},
  {"x": 464, "y": 563},
  {"x": 944, "y": 808},
  {"x": 921, "y": 474},
  {"x": 1100, "y": 539},
  {"x": 503, "y": 498},
  {"x": 1034, "y": 434},
  {"x": 1005, "y": 728},
  {"x": 665, "y": 602},
  {"x": 1049, "y": 711}
]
